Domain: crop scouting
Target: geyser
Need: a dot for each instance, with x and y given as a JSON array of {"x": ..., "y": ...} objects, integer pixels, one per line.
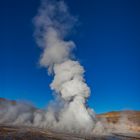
[
  {"x": 53, "y": 23},
  {"x": 69, "y": 112}
]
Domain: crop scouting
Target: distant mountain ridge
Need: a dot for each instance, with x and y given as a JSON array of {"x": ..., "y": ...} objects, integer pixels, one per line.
[
  {"x": 115, "y": 115},
  {"x": 3, "y": 100}
]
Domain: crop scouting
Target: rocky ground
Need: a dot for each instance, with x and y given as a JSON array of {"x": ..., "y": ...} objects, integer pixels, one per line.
[
  {"x": 27, "y": 133},
  {"x": 128, "y": 120}
]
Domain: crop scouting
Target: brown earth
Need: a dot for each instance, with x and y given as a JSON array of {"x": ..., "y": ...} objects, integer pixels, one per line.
[
  {"x": 7, "y": 101},
  {"x": 128, "y": 117}
]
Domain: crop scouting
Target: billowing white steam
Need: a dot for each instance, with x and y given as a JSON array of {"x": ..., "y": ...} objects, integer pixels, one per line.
[
  {"x": 69, "y": 111},
  {"x": 53, "y": 23}
]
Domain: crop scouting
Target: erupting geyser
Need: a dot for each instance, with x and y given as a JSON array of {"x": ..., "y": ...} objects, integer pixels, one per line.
[
  {"x": 53, "y": 23},
  {"x": 69, "y": 112}
]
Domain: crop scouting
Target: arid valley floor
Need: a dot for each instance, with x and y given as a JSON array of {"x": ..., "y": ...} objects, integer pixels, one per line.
[
  {"x": 8, "y": 132},
  {"x": 124, "y": 125}
]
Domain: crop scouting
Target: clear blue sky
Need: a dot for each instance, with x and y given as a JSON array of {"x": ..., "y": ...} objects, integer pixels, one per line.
[{"x": 108, "y": 45}]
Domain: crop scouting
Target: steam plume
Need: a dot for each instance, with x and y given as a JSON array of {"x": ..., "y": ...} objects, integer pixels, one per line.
[
  {"x": 69, "y": 112},
  {"x": 53, "y": 24}
]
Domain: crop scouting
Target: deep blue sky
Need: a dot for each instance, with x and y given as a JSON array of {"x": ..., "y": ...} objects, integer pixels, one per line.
[{"x": 108, "y": 45}]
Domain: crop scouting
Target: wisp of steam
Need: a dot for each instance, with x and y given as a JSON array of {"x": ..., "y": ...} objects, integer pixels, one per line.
[{"x": 69, "y": 112}]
